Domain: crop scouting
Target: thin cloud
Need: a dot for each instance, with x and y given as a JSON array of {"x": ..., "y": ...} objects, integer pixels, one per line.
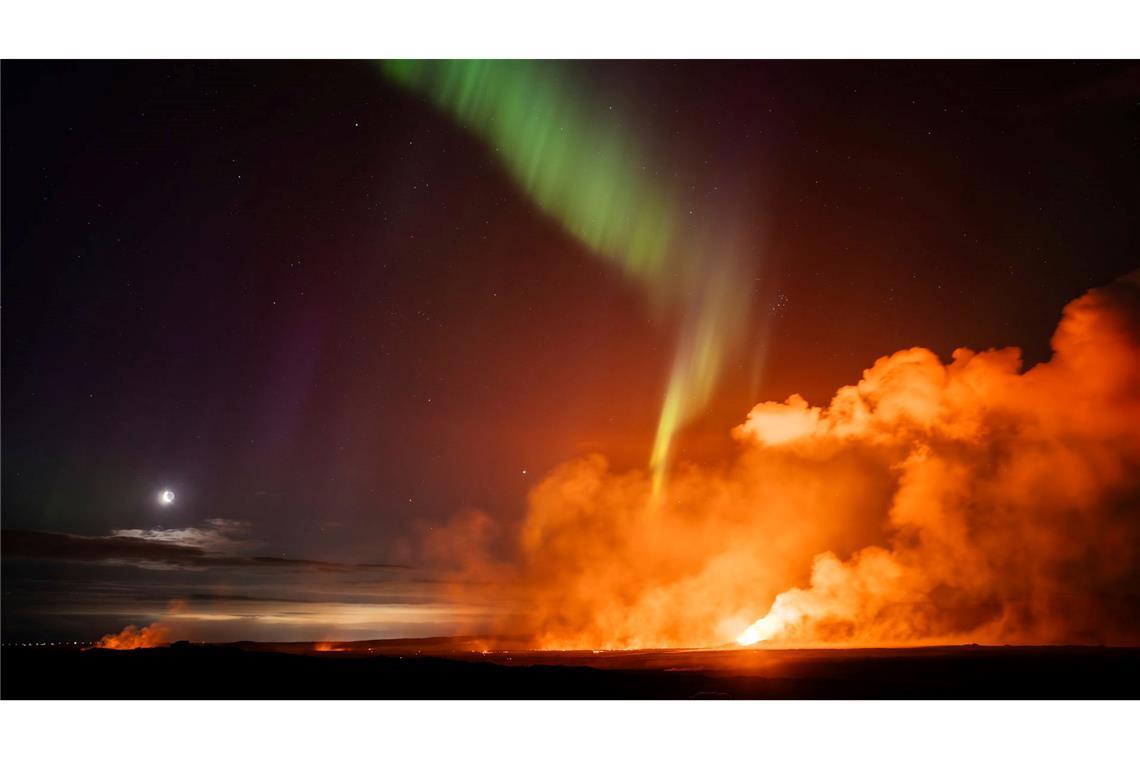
[
  {"x": 153, "y": 552},
  {"x": 217, "y": 536}
]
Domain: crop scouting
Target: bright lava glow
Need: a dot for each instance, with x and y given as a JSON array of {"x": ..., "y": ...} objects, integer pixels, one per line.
[
  {"x": 761, "y": 630},
  {"x": 166, "y": 497},
  {"x": 784, "y": 614},
  {"x": 748, "y": 638}
]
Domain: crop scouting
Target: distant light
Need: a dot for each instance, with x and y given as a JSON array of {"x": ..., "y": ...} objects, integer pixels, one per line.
[{"x": 166, "y": 497}]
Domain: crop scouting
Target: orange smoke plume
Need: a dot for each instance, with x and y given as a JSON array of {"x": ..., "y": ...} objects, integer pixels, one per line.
[
  {"x": 929, "y": 502},
  {"x": 156, "y": 634},
  {"x": 132, "y": 637}
]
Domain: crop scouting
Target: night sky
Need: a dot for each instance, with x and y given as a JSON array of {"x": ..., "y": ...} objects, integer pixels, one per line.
[{"x": 319, "y": 310}]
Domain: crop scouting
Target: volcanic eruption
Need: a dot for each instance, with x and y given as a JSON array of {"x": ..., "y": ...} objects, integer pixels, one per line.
[{"x": 928, "y": 502}]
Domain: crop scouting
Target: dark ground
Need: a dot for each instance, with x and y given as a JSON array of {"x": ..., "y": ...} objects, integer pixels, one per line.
[{"x": 442, "y": 669}]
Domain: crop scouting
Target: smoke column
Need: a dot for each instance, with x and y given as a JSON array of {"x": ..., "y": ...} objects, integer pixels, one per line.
[{"x": 586, "y": 168}]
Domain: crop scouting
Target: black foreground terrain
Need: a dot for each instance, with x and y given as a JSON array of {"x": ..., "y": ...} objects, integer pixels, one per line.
[{"x": 442, "y": 669}]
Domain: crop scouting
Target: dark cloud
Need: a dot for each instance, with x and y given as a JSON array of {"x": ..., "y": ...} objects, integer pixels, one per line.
[{"x": 146, "y": 550}]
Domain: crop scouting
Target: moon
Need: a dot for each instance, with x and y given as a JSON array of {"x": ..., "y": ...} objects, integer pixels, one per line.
[{"x": 166, "y": 497}]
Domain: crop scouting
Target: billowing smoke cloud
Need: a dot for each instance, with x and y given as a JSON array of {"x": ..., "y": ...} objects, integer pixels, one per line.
[
  {"x": 929, "y": 502},
  {"x": 158, "y": 633},
  {"x": 133, "y": 637}
]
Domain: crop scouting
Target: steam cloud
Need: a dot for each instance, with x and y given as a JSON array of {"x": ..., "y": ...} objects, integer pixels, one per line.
[
  {"x": 929, "y": 502},
  {"x": 158, "y": 633},
  {"x": 133, "y": 637}
]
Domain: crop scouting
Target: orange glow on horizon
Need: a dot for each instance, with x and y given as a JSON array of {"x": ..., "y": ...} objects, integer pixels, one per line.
[{"x": 133, "y": 637}]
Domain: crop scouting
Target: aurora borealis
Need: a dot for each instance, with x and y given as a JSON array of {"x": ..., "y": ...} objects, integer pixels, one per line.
[{"x": 587, "y": 167}]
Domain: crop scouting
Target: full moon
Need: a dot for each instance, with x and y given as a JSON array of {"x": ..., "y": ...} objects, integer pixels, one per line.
[{"x": 166, "y": 497}]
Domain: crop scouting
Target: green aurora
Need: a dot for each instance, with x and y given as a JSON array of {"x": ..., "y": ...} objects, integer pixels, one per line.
[{"x": 587, "y": 170}]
